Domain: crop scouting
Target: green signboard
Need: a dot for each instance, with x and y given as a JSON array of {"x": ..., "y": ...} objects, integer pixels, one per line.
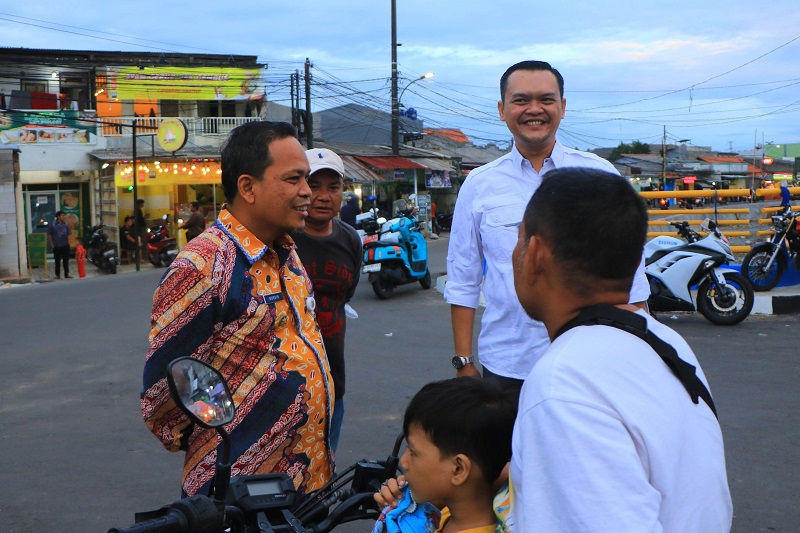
[
  {"x": 37, "y": 249},
  {"x": 46, "y": 127}
]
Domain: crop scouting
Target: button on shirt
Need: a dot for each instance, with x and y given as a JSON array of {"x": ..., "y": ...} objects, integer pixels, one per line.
[{"x": 486, "y": 220}]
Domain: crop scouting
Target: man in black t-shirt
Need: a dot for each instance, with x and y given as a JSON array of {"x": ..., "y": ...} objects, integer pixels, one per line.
[
  {"x": 128, "y": 239},
  {"x": 331, "y": 253}
]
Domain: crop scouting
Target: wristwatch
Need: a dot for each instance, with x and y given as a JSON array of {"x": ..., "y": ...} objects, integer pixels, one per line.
[{"x": 459, "y": 362}]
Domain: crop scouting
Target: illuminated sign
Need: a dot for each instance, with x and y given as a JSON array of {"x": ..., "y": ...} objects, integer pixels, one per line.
[
  {"x": 689, "y": 179},
  {"x": 782, "y": 176},
  {"x": 172, "y": 134}
]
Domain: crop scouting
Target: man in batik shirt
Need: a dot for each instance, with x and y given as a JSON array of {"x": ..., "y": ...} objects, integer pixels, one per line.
[{"x": 237, "y": 297}]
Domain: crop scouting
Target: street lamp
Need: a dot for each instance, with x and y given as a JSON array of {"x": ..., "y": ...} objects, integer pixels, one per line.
[
  {"x": 396, "y": 109},
  {"x": 423, "y": 77}
]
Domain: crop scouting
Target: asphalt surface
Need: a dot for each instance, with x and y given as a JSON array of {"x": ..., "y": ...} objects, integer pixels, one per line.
[{"x": 75, "y": 455}]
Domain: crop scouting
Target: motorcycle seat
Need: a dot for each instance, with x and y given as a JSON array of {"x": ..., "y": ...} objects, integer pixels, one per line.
[{"x": 379, "y": 244}]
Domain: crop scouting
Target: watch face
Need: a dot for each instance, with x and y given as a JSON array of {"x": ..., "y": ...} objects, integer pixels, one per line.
[{"x": 457, "y": 363}]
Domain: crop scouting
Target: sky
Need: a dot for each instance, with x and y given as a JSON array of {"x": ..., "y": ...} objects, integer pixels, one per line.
[{"x": 720, "y": 74}]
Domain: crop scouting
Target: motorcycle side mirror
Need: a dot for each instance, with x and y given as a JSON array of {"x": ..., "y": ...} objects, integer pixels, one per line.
[
  {"x": 201, "y": 392},
  {"x": 381, "y": 220}
]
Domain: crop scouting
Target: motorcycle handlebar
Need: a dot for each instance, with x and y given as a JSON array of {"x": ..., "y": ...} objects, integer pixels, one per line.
[
  {"x": 173, "y": 522},
  {"x": 196, "y": 513}
]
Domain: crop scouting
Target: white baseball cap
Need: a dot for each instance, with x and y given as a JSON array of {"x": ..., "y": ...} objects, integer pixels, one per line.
[{"x": 319, "y": 158}]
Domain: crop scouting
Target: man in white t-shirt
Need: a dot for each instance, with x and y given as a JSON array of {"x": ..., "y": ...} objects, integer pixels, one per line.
[
  {"x": 607, "y": 437},
  {"x": 484, "y": 230}
]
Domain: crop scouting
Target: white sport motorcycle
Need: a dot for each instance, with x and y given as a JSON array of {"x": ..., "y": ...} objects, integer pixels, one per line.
[{"x": 674, "y": 266}]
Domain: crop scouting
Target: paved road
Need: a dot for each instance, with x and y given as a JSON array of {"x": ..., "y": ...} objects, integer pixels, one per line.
[{"x": 76, "y": 457}]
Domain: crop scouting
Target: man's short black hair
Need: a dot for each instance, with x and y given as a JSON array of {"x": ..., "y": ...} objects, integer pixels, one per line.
[
  {"x": 595, "y": 224},
  {"x": 140, "y": 201},
  {"x": 196, "y": 205},
  {"x": 530, "y": 65},
  {"x": 247, "y": 151},
  {"x": 466, "y": 415},
  {"x": 59, "y": 213}
]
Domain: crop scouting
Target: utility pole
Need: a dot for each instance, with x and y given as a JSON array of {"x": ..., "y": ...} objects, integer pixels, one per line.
[
  {"x": 294, "y": 111},
  {"x": 309, "y": 118},
  {"x": 664, "y": 159},
  {"x": 137, "y": 227},
  {"x": 755, "y": 147},
  {"x": 395, "y": 103}
]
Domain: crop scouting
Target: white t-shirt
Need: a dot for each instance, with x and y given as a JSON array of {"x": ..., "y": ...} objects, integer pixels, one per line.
[
  {"x": 608, "y": 439},
  {"x": 488, "y": 212}
]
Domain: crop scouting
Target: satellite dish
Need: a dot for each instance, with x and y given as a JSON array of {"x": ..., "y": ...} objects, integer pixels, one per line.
[{"x": 411, "y": 113}]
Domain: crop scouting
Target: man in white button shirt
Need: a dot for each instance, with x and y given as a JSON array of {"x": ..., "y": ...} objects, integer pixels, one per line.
[{"x": 485, "y": 222}]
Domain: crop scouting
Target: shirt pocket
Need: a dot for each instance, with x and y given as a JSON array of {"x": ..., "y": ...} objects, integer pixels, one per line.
[{"x": 500, "y": 233}]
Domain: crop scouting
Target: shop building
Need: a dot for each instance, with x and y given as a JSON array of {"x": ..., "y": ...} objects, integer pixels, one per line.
[{"x": 72, "y": 113}]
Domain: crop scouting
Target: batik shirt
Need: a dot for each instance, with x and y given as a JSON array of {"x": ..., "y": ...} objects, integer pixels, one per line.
[{"x": 247, "y": 310}]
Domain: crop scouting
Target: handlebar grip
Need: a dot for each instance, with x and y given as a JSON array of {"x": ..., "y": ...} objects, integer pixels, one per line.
[{"x": 173, "y": 522}]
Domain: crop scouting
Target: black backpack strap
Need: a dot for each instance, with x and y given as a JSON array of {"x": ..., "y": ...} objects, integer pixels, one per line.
[{"x": 609, "y": 315}]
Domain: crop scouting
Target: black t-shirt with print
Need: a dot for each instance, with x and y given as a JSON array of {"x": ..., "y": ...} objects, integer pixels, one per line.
[{"x": 333, "y": 263}]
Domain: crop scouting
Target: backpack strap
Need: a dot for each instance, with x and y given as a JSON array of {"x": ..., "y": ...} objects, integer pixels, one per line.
[{"x": 630, "y": 322}]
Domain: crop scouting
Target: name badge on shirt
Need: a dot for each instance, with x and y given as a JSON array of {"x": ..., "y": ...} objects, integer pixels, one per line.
[{"x": 272, "y": 298}]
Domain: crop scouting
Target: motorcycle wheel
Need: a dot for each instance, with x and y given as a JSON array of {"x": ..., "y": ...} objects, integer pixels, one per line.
[
  {"x": 753, "y": 269},
  {"x": 727, "y": 305},
  {"x": 166, "y": 259},
  {"x": 155, "y": 259},
  {"x": 425, "y": 282},
  {"x": 383, "y": 289},
  {"x": 112, "y": 268}
]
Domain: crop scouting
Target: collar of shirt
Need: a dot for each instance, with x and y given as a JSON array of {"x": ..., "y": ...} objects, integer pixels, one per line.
[
  {"x": 555, "y": 160},
  {"x": 248, "y": 243}
]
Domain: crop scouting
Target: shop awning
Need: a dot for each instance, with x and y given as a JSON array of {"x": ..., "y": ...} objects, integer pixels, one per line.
[
  {"x": 358, "y": 172},
  {"x": 388, "y": 162},
  {"x": 434, "y": 164}
]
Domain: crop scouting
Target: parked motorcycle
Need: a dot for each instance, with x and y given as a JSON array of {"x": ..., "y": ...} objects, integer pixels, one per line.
[
  {"x": 161, "y": 248},
  {"x": 445, "y": 221},
  {"x": 257, "y": 503},
  {"x": 691, "y": 203},
  {"x": 765, "y": 263},
  {"x": 673, "y": 267},
  {"x": 100, "y": 252},
  {"x": 395, "y": 253}
]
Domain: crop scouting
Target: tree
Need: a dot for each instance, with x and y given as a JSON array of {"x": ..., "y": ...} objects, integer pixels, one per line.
[{"x": 636, "y": 147}]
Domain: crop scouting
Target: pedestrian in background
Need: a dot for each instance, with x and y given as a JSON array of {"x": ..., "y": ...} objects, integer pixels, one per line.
[
  {"x": 128, "y": 239},
  {"x": 331, "y": 254},
  {"x": 196, "y": 223},
  {"x": 58, "y": 234},
  {"x": 350, "y": 210},
  {"x": 484, "y": 231},
  {"x": 140, "y": 225},
  {"x": 238, "y": 298}
]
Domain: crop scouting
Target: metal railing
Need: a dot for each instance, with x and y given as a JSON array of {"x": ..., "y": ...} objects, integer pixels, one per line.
[
  {"x": 200, "y": 126},
  {"x": 745, "y": 215}
]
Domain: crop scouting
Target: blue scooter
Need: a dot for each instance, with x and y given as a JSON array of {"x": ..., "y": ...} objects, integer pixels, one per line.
[{"x": 395, "y": 255}]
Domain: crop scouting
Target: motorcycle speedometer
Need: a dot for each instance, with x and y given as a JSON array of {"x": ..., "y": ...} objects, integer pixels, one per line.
[{"x": 262, "y": 492}]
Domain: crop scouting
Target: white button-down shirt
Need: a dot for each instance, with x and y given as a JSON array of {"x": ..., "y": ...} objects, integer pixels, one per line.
[{"x": 488, "y": 212}]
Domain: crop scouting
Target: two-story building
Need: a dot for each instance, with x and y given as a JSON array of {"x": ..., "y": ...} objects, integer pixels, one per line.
[{"x": 72, "y": 115}]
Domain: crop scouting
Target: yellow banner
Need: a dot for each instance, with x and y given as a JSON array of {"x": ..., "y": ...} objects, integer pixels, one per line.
[{"x": 182, "y": 83}]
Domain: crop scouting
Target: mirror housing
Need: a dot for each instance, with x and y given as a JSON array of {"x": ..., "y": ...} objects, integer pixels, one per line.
[{"x": 201, "y": 392}]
